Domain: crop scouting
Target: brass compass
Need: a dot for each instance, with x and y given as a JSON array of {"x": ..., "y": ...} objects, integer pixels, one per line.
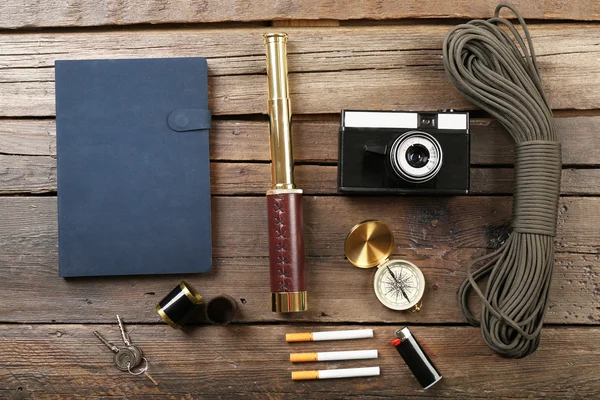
[{"x": 398, "y": 284}]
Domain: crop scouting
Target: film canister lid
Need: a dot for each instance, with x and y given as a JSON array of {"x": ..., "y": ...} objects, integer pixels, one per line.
[{"x": 220, "y": 310}]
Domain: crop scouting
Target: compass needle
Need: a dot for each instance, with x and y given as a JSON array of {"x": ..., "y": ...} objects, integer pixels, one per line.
[
  {"x": 391, "y": 273},
  {"x": 405, "y": 296}
]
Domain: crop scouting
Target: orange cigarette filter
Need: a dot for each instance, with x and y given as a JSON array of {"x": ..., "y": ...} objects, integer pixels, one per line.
[
  {"x": 305, "y": 375},
  {"x": 299, "y": 337},
  {"x": 304, "y": 357}
]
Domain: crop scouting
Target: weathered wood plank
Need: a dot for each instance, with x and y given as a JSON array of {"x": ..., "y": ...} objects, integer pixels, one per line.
[
  {"x": 37, "y": 174},
  {"x": 55, "y": 13},
  {"x": 317, "y": 141},
  {"x": 28, "y": 137},
  {"x": 326, "y": 74},
  {"x": 241, "y": 362},
  {"x": 253, "y": 178},
  {"x": 432, "y": 237},
  {"x": 338, "y": 292},
  {"x": 27, "y": 174},
  {"x": 418, "y": 223}
]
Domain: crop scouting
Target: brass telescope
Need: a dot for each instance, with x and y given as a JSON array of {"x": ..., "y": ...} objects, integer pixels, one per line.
[{"x": 284, "y": 200}]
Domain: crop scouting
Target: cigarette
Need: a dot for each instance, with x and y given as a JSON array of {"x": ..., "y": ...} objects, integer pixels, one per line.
[
  {"x": 334, "y": 356},
  {"x": 334, "y": 373},
  {"x": 330, "y": 335}
]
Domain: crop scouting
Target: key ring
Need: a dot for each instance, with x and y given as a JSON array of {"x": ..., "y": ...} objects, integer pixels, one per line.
[{"x": 141, "y": 371}]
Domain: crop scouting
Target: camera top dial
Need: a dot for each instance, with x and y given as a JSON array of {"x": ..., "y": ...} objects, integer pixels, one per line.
[{"x": 416, "y": 156}]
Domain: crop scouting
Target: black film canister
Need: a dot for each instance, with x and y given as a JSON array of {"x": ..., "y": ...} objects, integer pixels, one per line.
[
  {"x": 179, "y": 305},
  {"x": 220, "y": 310},
  {"x": 416, "y": 359}
]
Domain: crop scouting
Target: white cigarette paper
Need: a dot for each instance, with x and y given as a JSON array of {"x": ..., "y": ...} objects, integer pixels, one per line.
[
  {"x": 334, "y": 356},
  {"x": 335, "y": 373},
  {"x": 346, "y": 355},
  {"x": 329, "y": 335},
  {"x": 343, "y": 335},
  {"x": 348, "y": 372}
]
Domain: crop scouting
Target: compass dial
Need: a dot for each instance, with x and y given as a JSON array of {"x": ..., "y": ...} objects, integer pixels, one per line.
[{"x": 399, "y": 284}]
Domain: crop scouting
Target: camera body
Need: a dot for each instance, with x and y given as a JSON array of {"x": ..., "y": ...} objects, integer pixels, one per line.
[{"x": 396, "y": 152}]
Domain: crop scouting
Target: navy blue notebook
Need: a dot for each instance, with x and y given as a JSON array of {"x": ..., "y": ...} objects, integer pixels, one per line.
[{"x": 133, "y": 167}]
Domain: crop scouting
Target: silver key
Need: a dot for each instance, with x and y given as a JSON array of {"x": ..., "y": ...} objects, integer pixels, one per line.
[
  {"x": 129, "y": 362},
  {"x": 130, "y": 356},
  {"x": 108, "y": 344},
  {"x": 127, "y": 341},
  {"x": 123, "y": 333},
  {"x": 125, "y": 357}
]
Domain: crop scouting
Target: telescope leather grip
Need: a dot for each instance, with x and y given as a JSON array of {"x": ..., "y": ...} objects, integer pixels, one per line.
[{"x": 286, "y": 242}]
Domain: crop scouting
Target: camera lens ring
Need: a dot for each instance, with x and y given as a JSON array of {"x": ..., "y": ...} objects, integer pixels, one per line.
[{"x": 399, "y": 159}]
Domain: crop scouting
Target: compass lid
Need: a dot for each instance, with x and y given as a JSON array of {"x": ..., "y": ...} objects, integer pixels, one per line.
[{"x": 369, "y": 244}]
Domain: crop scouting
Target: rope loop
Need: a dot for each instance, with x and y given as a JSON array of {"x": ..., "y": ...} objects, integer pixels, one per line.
[{"x": 496, "y": 69}]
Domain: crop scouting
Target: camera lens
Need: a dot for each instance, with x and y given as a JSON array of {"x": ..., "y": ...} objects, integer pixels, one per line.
[{"x": 417, "y": 156}]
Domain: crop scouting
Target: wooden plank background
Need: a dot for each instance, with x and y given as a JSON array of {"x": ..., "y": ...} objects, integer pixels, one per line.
[
  {"x": 52, "y": 13},
  {"x": 331, "y": 68},
  {"x": 375, "y": 55}
]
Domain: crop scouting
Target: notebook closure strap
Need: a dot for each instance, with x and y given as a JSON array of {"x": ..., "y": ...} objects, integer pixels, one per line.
[{"x": 189, "y": 119}]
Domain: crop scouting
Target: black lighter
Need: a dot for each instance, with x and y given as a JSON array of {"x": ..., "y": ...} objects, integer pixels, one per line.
[{"x": 416, "y": 359}]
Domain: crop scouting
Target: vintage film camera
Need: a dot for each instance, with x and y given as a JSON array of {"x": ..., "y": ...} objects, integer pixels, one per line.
[{"x": 396, "y": 152}]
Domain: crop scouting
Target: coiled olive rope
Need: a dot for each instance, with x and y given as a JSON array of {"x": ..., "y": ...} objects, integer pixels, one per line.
[{"x": 490, "y": 64}]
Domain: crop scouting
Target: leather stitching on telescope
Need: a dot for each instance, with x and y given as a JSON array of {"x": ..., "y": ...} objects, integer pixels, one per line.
[{"x": 496, "y": 71}]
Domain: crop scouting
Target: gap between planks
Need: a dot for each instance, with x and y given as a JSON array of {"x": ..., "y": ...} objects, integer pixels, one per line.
[{"x": 54, "y": 13}]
